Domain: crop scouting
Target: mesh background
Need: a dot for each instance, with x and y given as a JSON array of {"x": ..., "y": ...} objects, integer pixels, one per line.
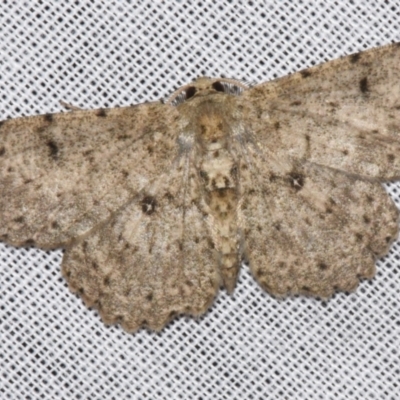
[{"x": 249, "y": 345}]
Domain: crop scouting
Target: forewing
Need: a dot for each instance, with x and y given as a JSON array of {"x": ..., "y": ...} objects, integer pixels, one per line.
[
  {"x": 311, "y": 229},
  {"x": 152, "y": 261},
  {"x": 344, "y": 114},
  {"x": 61, "y": 174}
]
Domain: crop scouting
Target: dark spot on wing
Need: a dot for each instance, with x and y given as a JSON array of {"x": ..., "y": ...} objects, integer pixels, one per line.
[
  {"x": 2, "y": 151},
  {"x": 366, "y": 219},
  {"x": 123, "y": 137},
  {"x": 390, "y": 158},
  {"x": 354, "y": 58},
  {"x": 120, "y": 319},
  {"x": 260, "y": 272},
  {"x": 53, "y": 149},
  {"x": 333, "y": 104},
  {"x": 150, "y": 149},
  {"x": 322, "y": 266},
  {"x": 95, "y": 266},
  {"x": 101, "y": 113},
  {"x": 363, "y": 84},
  {"x": 277, "y": 125},
  {"x": 388, "y": 239},
  {"x": 369, "y": 198},
  {"x": 308, "y": 143},
  {"x": 359, "y": 237},
  {"x": 296, "y": 180},
  {"x": 296, "y": 103},
  {"x": 345, "y": 152},
  {"x": 107, "y": 281},
  {"x": 218, "y": 86},
  {"x": 168, "y": 196},
  {"x": 272, "y": 177},
  {"x": 20, "y": 219},
  {"x": 29, "y": 242},
  {"x": 48, "y": 117},
  {"x": 190, "y": 92},
  {"x": 204, "y": 176},
  {"x": 281, "y": 265},
  {"x": 149, "y": 205},
  {"x": 305, "y": 73}
]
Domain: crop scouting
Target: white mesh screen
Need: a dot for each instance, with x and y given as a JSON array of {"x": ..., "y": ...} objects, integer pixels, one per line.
[{"x": 249, "y": 345}]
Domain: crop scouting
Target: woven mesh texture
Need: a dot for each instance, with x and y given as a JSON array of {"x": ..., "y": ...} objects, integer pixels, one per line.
[{"x": 249, "y": 345}]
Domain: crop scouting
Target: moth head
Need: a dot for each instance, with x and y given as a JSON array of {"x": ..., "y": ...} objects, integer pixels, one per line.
[{"x": 204, "y": 86}]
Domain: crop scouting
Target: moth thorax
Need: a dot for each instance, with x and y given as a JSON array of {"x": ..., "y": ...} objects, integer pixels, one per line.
[{"x": 213, "y": 129}]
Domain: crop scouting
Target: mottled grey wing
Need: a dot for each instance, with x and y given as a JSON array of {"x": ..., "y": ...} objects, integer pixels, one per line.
[
  {"x": 344, "y": 114},
  {"x": 315, "y": 216},
  {"x": 152, "y": 260},
  {"x": 63, "y": 174}
]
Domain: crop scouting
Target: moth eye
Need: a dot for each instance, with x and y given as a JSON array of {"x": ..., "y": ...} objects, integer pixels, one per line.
[
  {"x": 218, "y": 86},
  {"x": 190, "y": 92}
]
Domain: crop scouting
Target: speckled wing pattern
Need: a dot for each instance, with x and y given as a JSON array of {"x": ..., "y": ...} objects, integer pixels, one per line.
[
  {"x": 142, "y": 269},
  {"x": 63, "y": 173},
  {"x": 157, "y": 205},
  {"x": 324, "y": 139},
  {"x": 84, "y": 181}
]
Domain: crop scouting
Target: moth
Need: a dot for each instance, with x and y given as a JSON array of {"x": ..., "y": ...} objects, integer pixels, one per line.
[{"x": 158, "y": 205}]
